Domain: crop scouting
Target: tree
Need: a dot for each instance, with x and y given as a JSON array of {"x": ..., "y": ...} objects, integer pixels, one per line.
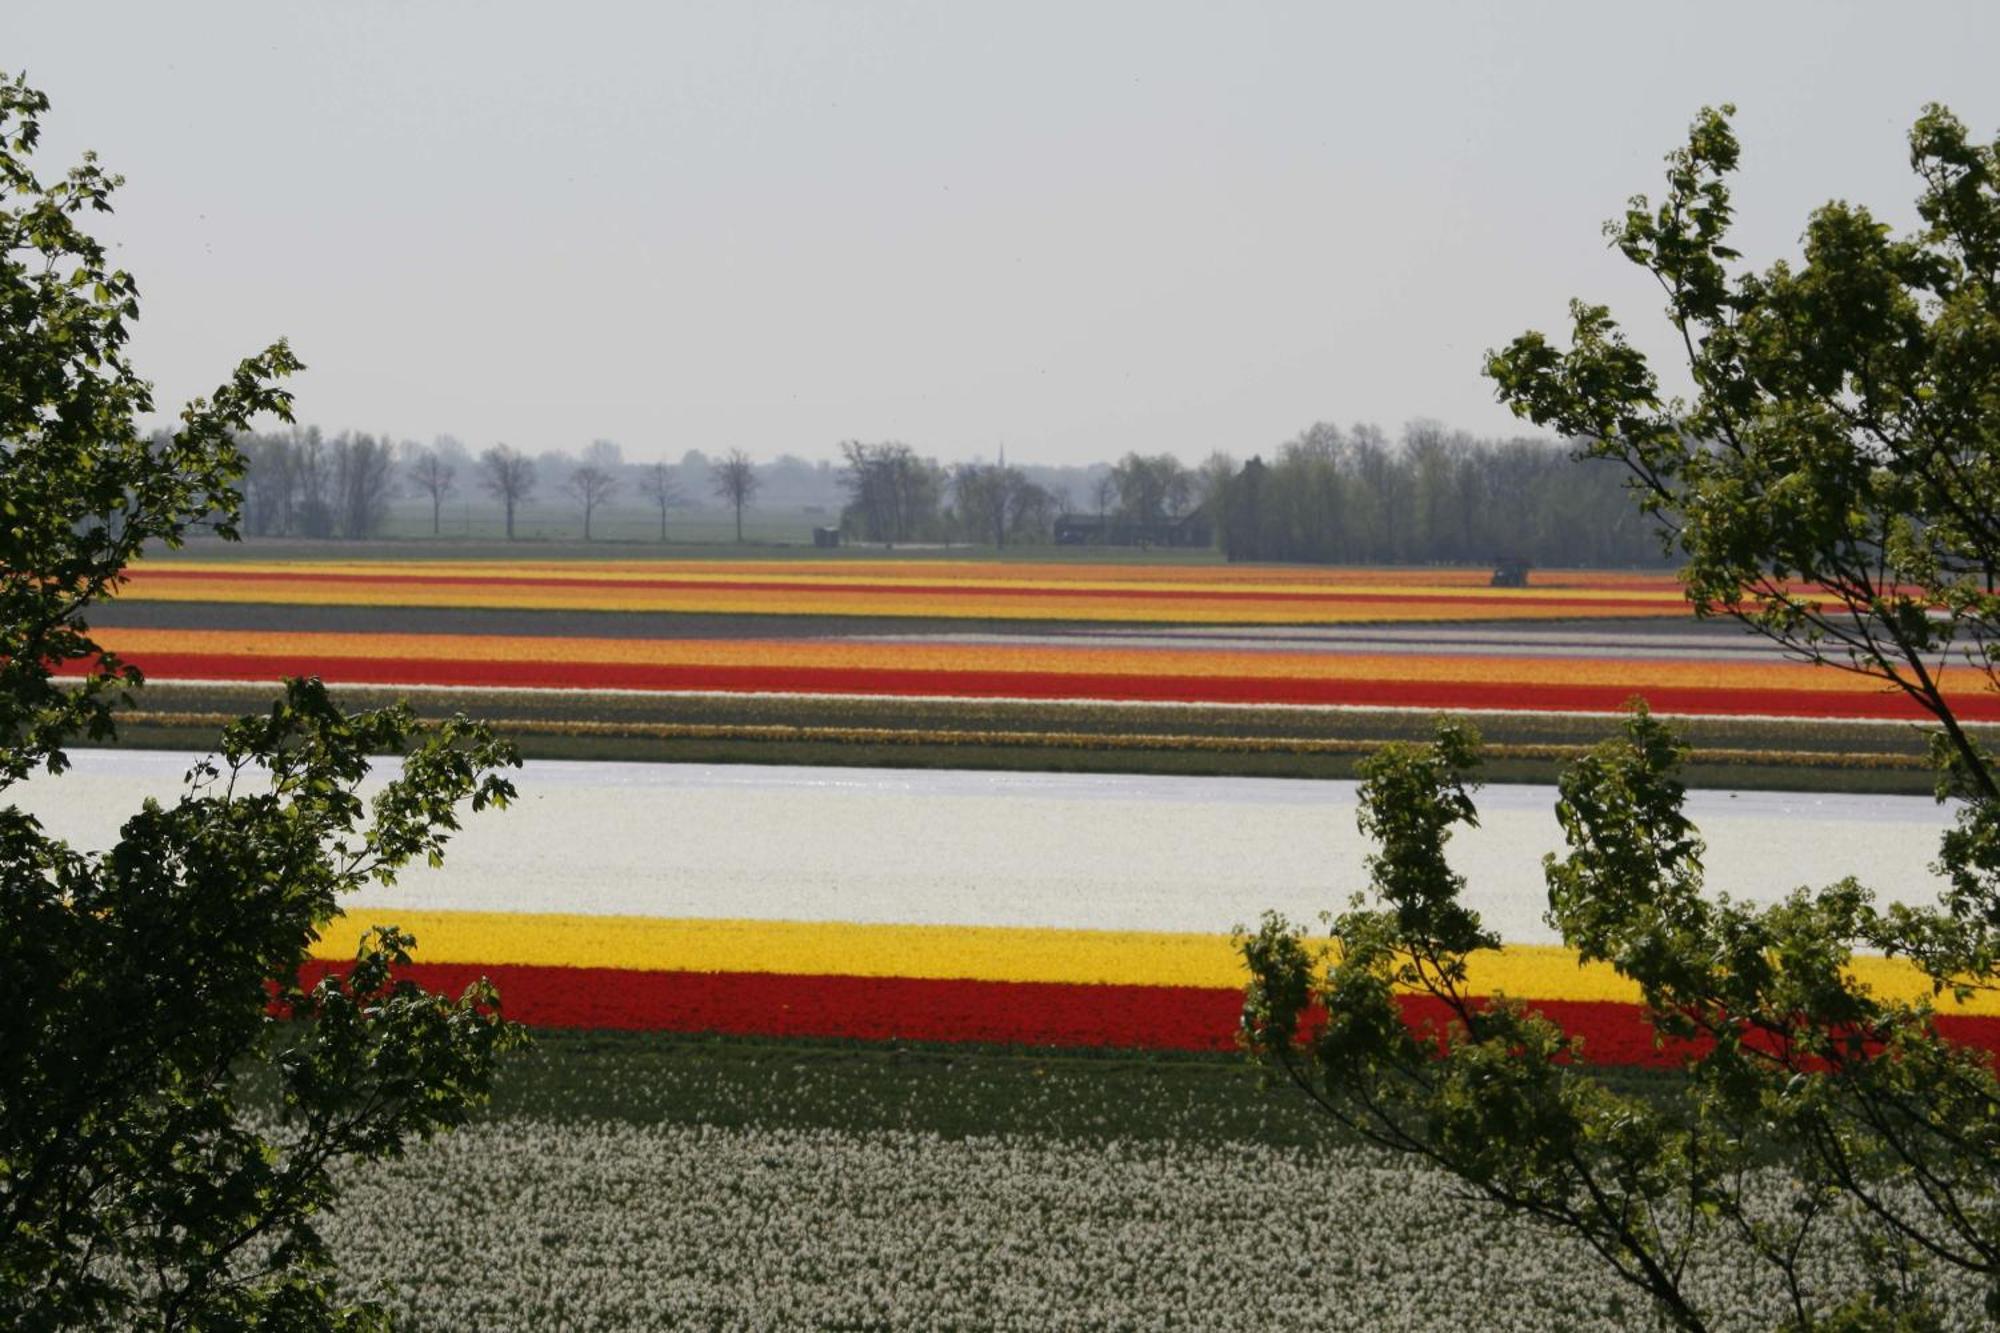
[
  {"x": 1151, "y": 490},
  {"x": 1337, "y": 496},
  {"x": 364, "y": 476},
  {"x": 434, "y": 475},
  {"x": 138, "y": 985},
  {"x": 1103, "y": 493},
  {"x": 313, "y": 470},
  {"x": 660, "y": 483},
  {"x": 595, "y": 480},
  {"x": 1212, "y": 478},
  {"x": 509, "y": 477},
  {"x": 270, "y": 483},
  {"x": 1834, "y": 484},
  {"x": 996, "y": 501},
  {"x": 735, "y": 479},
  {"x": 893, "y": 495}
]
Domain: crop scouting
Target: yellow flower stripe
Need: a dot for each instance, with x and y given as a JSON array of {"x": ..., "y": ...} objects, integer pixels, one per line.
[{"x": 975, "y": 953}]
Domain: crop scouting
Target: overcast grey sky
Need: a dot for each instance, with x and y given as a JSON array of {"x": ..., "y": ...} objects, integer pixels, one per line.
[{"x": 1076, "y": 229}]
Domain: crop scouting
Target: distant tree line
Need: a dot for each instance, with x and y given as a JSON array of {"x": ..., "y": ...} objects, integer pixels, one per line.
[
  {"x": 1352, "y": 497},
  {"x": 301, "y": 483},
  {"x": 1329, "y": 495},
  {"x": 894, "y": 495}
]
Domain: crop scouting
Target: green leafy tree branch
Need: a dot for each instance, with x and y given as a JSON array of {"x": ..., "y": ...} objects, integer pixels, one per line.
[
  {"x": 138, "y": 985},
  {"x": 1833, "y": 483}
]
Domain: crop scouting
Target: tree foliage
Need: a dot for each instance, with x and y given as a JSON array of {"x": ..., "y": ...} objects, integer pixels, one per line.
[
  {"x": 1833, "y": 483},
  {"x": 1151, "y": 489},
  {"x": 302, "y": 483},
  {"x": 993, "y": 502},
  {"x": 893, "y": 495},
  {"x": 137, "y": 984},
  {"x": 1354, "y": 496}
]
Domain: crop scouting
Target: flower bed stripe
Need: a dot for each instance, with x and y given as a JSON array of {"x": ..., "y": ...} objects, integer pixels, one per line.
[
  {"x": 1026, "y": 659},
  {"x": 967, "y": 953},
  {"x": 805, "y": 601},
  {"x": 957, "y": 1010},
  {"x": 954, "y": 575},
  {"x": 1495, "y": 692},
  {"x": 449, "y": 590},
  {"x": 1092, "y": 592}
]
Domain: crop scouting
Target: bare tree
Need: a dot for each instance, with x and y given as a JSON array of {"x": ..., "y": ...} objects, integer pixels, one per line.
[
  {"x": 660, "y": 483},
  {"x": 509, "y": 476},
  {"x": 270, "y": 483},
  {"x": 997, "y": 501},
  {"x": 590, "y": 486},
  {"x": 735, "y": 479},
  {"x": 1103, "y": 491},
  {"x": 434, "y": 475},
  {"x": 313, "y": 470},
  {"x": 364, "y": 477},
  {"x": 893, "y": 495}
]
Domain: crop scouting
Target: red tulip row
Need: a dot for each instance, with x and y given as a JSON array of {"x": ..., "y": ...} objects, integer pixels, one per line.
[{"x": 998, "y": 1012}]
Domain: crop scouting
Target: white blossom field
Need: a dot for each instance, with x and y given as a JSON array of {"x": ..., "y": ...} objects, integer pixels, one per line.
[
  {"x": 588, "y": 1226},
  {"x": 1089, "y": 851}
]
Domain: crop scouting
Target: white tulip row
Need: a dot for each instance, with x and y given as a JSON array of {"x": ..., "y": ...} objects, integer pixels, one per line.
[
  {"x": 536, "y": 1225},
  {"x": 1079, "y": 851}
]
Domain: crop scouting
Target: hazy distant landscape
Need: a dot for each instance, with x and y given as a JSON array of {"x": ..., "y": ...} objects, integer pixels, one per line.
[{"x": 1009, "y": 666}]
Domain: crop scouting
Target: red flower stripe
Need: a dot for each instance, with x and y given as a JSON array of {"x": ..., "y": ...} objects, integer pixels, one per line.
[
  {"x": 1496, "y": 694},
  {"x": 1002, "y": 1012}
]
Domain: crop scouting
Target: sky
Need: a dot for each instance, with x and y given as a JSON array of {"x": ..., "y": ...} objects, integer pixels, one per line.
[{"x": 1071, "y": 230}]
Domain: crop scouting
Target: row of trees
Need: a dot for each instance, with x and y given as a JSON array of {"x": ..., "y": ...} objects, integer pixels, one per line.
[
  {"x": 893, "y": 495},
  {"x": 1329, "y": 495},
  {"x": 1352, "y": 497},
  {"x": 301, "y": 483}
]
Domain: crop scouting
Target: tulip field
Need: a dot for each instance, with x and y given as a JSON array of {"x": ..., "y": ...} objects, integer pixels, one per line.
[
  {"x": 1098, "y": 592},
  {"x": 834, "y": 1047},
  {"x": 854, "y": 1045},
  {"x": 827, "y": 631}
]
